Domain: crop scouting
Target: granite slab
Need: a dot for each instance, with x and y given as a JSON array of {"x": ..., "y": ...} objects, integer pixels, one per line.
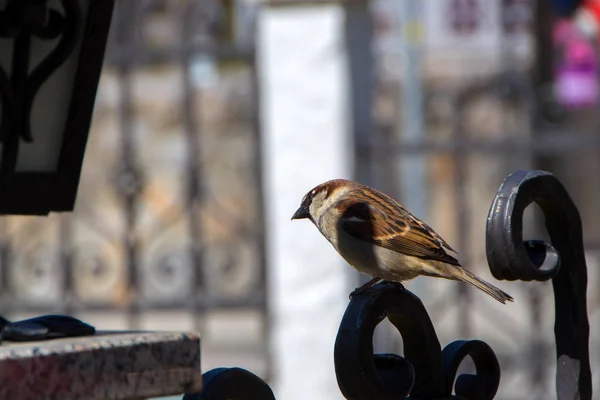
[{"x": 107, "y": 365}]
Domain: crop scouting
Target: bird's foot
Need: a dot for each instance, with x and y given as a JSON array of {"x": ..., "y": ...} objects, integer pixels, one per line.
[{"x": 365, "y": 287}]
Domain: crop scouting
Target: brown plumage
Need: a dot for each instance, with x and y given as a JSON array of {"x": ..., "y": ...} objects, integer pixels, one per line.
[{"x": 376, "y": 235}]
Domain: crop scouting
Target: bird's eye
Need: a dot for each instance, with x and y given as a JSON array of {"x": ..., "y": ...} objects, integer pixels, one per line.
[{"x": 313, "y": 192}]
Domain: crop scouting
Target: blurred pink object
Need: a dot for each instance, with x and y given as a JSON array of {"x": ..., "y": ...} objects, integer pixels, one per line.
[{"x": 576, "y": 67}]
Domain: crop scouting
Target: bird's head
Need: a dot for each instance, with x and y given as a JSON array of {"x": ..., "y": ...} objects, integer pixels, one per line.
[{"x": 320, "y": 198}]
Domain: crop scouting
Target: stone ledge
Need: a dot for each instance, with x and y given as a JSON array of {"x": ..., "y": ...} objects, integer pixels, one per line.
[{"x": 108, "y": 365}]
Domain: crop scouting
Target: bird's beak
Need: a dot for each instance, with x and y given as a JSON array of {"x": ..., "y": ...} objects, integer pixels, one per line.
[{"x": 301, "y": 213}]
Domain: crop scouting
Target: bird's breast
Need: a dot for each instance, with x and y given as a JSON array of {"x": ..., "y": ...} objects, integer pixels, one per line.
[{"x": 371, "y": 259}]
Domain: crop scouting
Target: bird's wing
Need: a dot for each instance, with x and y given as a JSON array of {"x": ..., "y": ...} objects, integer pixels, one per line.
[{"x": 406, "y": 235}]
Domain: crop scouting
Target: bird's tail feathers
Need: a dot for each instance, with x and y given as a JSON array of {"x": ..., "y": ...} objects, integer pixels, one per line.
[{"x": 466, "y": 276}]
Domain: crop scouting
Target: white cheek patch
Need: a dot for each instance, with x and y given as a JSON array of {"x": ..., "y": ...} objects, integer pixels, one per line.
[
  {"x": 313, "y": 208},
  {"x": 321, "y": 205}
]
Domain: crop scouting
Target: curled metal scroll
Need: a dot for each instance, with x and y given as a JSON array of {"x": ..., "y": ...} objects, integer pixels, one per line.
[
  {"x": 563, "y": 260},
  {"x": 482, "y": 385},
  {"x": 425, "y": 371},
  {"x": 232, "y": 383}
]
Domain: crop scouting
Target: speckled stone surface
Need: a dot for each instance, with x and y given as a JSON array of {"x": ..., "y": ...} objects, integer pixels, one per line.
[{"x": 108, "y": 365}]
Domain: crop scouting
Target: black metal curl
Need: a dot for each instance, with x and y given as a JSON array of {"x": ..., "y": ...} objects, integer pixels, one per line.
[
  {"x": 232, "y": 383},
  {"x": 481, "y": 386},
  {"x": 43, "y": 327},
  {"x": 20, "y": 20},
  {"x": 425, "y": 372},
  {"x": 563, "y": 260}
]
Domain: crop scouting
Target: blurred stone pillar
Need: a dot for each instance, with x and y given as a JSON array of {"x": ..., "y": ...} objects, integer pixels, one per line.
[{"x": 315, "y": 85}]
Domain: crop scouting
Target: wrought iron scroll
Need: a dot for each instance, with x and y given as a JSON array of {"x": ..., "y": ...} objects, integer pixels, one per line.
[
  {"x": 562, "y": 260},
  {"x": 425, "y": 371},
  {"x": 232, "y": 383},
  {"x": 20, "y": 20}
]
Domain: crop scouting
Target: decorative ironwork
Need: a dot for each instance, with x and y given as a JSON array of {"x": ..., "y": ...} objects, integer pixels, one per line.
[
  {"x": 232, "y": 383},
  {"x": 137, "y": 222},
  {"x": 562, "y": 260},
  {"x": 20, "y": 21},
  {"x": 425, "y": 371}
]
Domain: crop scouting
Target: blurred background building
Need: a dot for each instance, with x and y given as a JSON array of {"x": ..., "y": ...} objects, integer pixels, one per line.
[{"x": 213, "y": 119}]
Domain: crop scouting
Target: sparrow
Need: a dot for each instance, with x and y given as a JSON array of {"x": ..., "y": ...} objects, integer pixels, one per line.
[{"x": 377, "y": 236}]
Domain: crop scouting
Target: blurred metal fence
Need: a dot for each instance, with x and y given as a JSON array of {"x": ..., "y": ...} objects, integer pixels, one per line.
[{"x": 169, "y": 211}]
